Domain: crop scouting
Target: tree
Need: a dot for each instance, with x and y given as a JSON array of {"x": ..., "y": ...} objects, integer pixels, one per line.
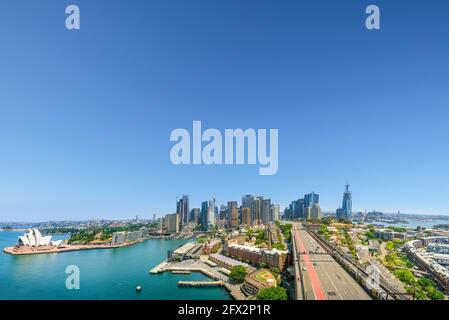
[
  {"x": 201, "y": 239},
  {"x": 272, "y": 293},
  {"x": 279, "y": 246},
  {"x": 370, "y": 235},
  {"x": 397, "y": 229},
  {"x": 434, "y": 294},
  {"x": 430, "y": 287},
  {"x": 322, "y": 230},
  {"x": 425, "y": 282},
  {"x": 275, "y": 271},
  {"x": 417, "y": 293},
  {"x": 260, "y": 235},
  {"x": 405, "y": 276},
  {"x": 286, "y": 230},
  {"x": 238, "y": 274},
  {"x": 389, "y": 246}
]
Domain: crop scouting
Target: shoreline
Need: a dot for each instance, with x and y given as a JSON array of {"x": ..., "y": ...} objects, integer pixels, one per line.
[
  {"x": 13, "y": 230},
  {"x": 198, "y": 265},
  {"x": 15, "y": 251}
]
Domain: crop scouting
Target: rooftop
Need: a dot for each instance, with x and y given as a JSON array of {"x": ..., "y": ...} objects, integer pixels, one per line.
[
  {"x": 185, "y": 248},
  {"x": 227, "y": 260},
  {"x": 258, "y": 250}
]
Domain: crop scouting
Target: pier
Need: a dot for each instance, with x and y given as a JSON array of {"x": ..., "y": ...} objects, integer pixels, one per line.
[
  {"x": 218, "y": 283},
  {"x": 188, "y": 266},
  {"x": 218, "y": 278},
  {"x": 159, "y": 268}
]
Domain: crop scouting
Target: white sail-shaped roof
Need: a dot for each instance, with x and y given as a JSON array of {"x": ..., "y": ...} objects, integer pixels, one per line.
[
  {"x": 56, "y": 243},
  {"x": 31, "y": 238},
  {"x": 24, "y": 240},
  {"x": 45, "y": 241},
  {"x": 34, "y": 238},
  {"x": 37, "y": 236}
]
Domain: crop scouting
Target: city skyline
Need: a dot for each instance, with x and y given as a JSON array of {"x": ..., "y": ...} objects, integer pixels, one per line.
[
  {"x": 86, "y": 115},
  {"x": 188, "y": 213}
]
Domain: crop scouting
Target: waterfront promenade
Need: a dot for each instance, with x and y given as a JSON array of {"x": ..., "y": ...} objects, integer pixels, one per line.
[
  {"x": 184, "y": 283},
  {"x": 24, "y": 250},
  {"x": 200, "y": 265}
]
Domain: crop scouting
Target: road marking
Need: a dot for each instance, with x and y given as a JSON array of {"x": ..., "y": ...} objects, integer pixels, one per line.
[
  {"x": 333, "y": 284},
  {"x": 316, "y": 285}
]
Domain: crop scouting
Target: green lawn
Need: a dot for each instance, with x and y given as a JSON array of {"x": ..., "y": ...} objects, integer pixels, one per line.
[{"x": 263, "y": 276}]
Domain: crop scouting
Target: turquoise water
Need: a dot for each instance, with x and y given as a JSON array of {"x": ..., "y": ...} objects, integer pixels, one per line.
[{"x": 104, "y": 274}]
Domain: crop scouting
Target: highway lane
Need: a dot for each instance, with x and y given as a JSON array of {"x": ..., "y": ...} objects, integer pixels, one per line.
[
  {"x": 321, "y": 276},
  {"x": 310, "y": 276}
]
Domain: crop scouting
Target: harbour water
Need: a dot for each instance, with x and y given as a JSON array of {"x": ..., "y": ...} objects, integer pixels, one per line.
[
  {"x": 412, "y": 223},
  {"x": 104, "y": 274}
]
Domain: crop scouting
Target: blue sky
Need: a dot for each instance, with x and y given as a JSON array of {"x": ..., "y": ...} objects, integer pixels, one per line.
[{"x": 85, "y": 116}]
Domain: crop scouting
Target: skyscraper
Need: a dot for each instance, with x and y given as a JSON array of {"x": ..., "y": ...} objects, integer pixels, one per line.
[
  {"x": 288, "y": 213},
  {"x": 232, "y": 205},
  {"x": 211, "y": 215},
  {"x": 296, "y": 209},
  {"x": 195, "y": 215},
  {"x": 223, "y": 213},
  {"x": 182, "y": 209},
  {"x": 315, "y": 211},
  {"x": 311, "y": 208},
  {"x": 257, "y": 210},
  {"x": 223, "y": 217},
  {"x": 275, "y": 212},
  {"x": 248, "y": 202},
  {"x": 233, "y": 214},
  {"x": 265, "y": 211},
  {"x": 339, "y": 213},
  {"x": 347, "y": 204},
  {"x": 203, "y": 215},
  {"x": 306, "y": 213},
  {"x": 310, "y": 199},
  {"x": 207, "y": 215},
  {"x": 246, "y": 217},
  {"x": 172, "y": 223},
  {"x": 233, "y": 218}
]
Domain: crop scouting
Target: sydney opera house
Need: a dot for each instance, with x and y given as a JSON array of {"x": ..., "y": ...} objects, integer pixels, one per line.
[{"x": 33, "y": 238}]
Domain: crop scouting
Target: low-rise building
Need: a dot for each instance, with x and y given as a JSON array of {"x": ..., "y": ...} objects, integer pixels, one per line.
[
  {"x": 273, "y": 258},
  {"x": 256, "y": 281},
  {"x": 388, "y": 235},
  {"x": 127, "y": 236},
  {"x": 182, "y": 252},
  {"x": 118, "y": 238},
  {"x": 434, "y": 263},
  {"x": 373, "y": 246},
  {"x": 438, "y": 248},
  {"x": 226, "y": 262},
  {"x": 133, "y": 236},
  {"x": 211, "y": 247}
]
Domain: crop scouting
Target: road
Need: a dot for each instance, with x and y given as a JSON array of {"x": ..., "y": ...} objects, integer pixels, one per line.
[{"x": 320, "y": 276}]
